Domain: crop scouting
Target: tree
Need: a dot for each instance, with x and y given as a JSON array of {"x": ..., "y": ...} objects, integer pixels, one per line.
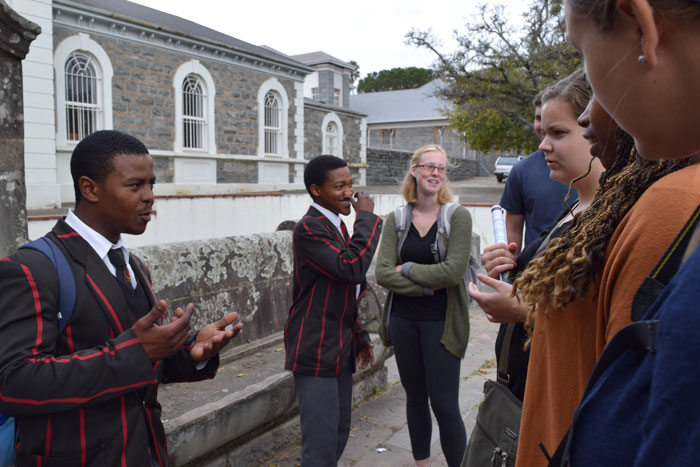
[
  {"x": 395, "y": 79},
  {"x": 497, "y": 70},
  {"x": 354, "y": 74}
]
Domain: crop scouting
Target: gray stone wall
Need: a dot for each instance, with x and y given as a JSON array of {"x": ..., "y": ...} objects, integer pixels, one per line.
[
  {"x": 346, "y": 90},
  {"x": 410, "y": 139},
  {"x": 143, "y": 98},
  {"x": 313, "y": 118},
  {"x": 325, "y": 86},
  {"x": 351, "y": 137},
  {"x": 388, "y": 167},
  {"x": 232, "y": 171},
  {"x": 164, "y": 168},
  {"x": 313, "y": 134},
  {"x": 16, "y": 33},
  {"x": 250, "y": 275}
]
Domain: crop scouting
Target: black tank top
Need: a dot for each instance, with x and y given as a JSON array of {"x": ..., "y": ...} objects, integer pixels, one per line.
[{"x": 429, "y": 307}]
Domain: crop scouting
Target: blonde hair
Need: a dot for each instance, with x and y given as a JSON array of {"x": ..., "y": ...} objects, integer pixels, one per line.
[{"x": 408, "y": 187}]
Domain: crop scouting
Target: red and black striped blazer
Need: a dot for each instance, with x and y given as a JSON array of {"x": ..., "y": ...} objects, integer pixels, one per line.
[
  {"x": 89, "y": 396},
  {"x": 323, "y": 333}
]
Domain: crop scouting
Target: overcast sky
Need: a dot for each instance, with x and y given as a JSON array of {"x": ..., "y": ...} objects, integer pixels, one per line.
[{"x": 371, "y": 32}]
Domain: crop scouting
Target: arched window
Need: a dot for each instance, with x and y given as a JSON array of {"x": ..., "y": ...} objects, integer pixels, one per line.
[
  {"x": 273, "y": 107},
  {"x": 332, "y": 135},
  {"x": 83, "y": 109},
  {"x": 193, "y": 113},
  {"x": 194, "y": 109},
  {"x": 83, "y": 74},
  {"x": 332, "y": 139},
  {"x": 273, "y": 128}
]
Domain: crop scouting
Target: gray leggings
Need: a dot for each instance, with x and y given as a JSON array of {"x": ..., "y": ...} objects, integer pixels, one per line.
[{"x": 429, "y": 373}]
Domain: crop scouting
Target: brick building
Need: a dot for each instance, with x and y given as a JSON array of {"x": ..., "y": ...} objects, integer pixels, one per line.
[{"x": 219, "y": 115}]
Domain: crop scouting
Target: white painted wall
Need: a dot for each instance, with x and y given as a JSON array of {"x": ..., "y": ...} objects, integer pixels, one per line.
[
  {"x": 310, "y": 82},
  {"x": 43, "y": 189},
  {"x": 184, "y": 219}
]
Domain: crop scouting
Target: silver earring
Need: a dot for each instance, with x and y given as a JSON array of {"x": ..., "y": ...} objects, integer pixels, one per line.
[{"x": 642, "y": 59}]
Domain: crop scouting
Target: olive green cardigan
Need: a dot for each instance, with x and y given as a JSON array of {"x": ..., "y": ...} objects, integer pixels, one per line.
[{"x": 421, "y": 279}]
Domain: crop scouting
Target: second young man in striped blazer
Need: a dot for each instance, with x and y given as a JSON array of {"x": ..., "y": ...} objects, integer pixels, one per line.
[{"x": 323, "y": 336}]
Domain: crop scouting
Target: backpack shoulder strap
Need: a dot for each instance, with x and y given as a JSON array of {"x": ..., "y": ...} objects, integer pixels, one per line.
[
  {"x": 665, "y": 269},
  {"x": 402, "y": 218},
  {"x": 639, "y": 335},
  {"x": 444, "y": 221},
  {"x": 66, "y": 280},
  {"x": 445, "y": 216}
]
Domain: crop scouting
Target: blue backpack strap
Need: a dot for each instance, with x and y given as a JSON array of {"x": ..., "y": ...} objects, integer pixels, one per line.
[{"x": 66, "y": 280}]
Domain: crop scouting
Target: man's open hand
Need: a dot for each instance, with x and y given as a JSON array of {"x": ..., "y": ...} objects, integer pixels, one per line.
[
  {"x": 161, "y": 342},
  {"x": 213, "y": 337}
]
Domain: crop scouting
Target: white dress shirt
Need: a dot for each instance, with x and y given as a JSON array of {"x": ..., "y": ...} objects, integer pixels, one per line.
[{"x": 100, "y": 244}]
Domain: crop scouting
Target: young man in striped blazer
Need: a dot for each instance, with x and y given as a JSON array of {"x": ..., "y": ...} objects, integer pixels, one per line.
[
  {"x": 88, "y": 395},
  {"x": 323, "y": 336}
]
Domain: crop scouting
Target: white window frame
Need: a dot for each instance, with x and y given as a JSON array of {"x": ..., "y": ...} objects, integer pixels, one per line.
[
  {"x": 316, "y": 93},
  {"x": 84, "y": 110},
  {"x": 194, "y": 67},
  {"x": 273, "y": 85},
  {"x": 195, "y": 123},
  {"x": 273, "y": 124},
  {"x": 332, "y": 117},
  {"x": 337, "y": 97},
  {"x": 82, "y": 43}
]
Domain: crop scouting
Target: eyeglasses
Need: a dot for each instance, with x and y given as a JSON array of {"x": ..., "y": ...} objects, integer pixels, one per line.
[{"x": 430, "y": 168}]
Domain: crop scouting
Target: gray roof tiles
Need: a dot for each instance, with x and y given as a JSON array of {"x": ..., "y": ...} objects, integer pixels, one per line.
[
  {"x": 316, "y": 58},
  {"x": 178, "y": 25},
  {"x": 408, "y": 105}
]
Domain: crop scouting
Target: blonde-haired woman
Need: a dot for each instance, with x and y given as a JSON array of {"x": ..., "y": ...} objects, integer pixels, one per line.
[{"x": 426, "y": 316}]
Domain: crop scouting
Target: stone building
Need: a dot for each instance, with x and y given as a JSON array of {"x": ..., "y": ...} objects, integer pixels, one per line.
[
  {"x": 219, "y": 115},
  {"x": 408, "y": 119},
  {"x": 330, "y": 126}
]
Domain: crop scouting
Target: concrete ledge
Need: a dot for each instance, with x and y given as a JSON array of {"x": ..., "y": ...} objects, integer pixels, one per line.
[{"x": 250, "y": 423}]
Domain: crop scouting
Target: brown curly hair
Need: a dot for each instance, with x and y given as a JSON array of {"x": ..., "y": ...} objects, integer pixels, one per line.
[{"x": 563, "y": 272}]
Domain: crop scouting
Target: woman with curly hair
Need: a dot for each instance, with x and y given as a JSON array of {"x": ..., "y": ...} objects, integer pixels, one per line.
[
  {"x": 642, "y": 60},
  {"x": 571, "y": 296}
]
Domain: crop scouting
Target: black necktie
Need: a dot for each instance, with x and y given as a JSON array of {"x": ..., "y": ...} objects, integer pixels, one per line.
[{"x": 116, "y": 257}]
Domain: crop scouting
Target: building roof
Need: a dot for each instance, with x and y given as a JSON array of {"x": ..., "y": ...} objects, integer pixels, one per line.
[
  {"x": 122, "y": 9},
  {"x": 407, "y": 105},
  {"x": 319, "y": 57}
]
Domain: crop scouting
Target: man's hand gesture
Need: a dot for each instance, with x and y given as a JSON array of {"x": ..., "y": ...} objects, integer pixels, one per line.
[
  {"x": 213, "y": 337},
  {"x": 161, "y": 342}
]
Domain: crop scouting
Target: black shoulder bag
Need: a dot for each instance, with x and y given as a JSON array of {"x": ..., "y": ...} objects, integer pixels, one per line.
[{"x": 494, "y": 439}]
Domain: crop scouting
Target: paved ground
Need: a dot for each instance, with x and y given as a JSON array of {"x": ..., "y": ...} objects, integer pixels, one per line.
[{"x": 379, "y": 436}]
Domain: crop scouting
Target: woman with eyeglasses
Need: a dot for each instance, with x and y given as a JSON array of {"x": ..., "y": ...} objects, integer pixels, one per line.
[{"x": 426, "y": 315}]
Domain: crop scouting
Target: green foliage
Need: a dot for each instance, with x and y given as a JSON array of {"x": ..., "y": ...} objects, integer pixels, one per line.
[
  {"x": 355, "y": 73},
  {"x": 497, "y": 70},
  {"x": 394, "y": 79}
]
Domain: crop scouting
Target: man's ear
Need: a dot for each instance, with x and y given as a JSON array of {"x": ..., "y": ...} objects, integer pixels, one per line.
[
  {"x": 641, "y": 12},
  {"x": 89, "y": 189},
  {"x": 315, "y": 190}
]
